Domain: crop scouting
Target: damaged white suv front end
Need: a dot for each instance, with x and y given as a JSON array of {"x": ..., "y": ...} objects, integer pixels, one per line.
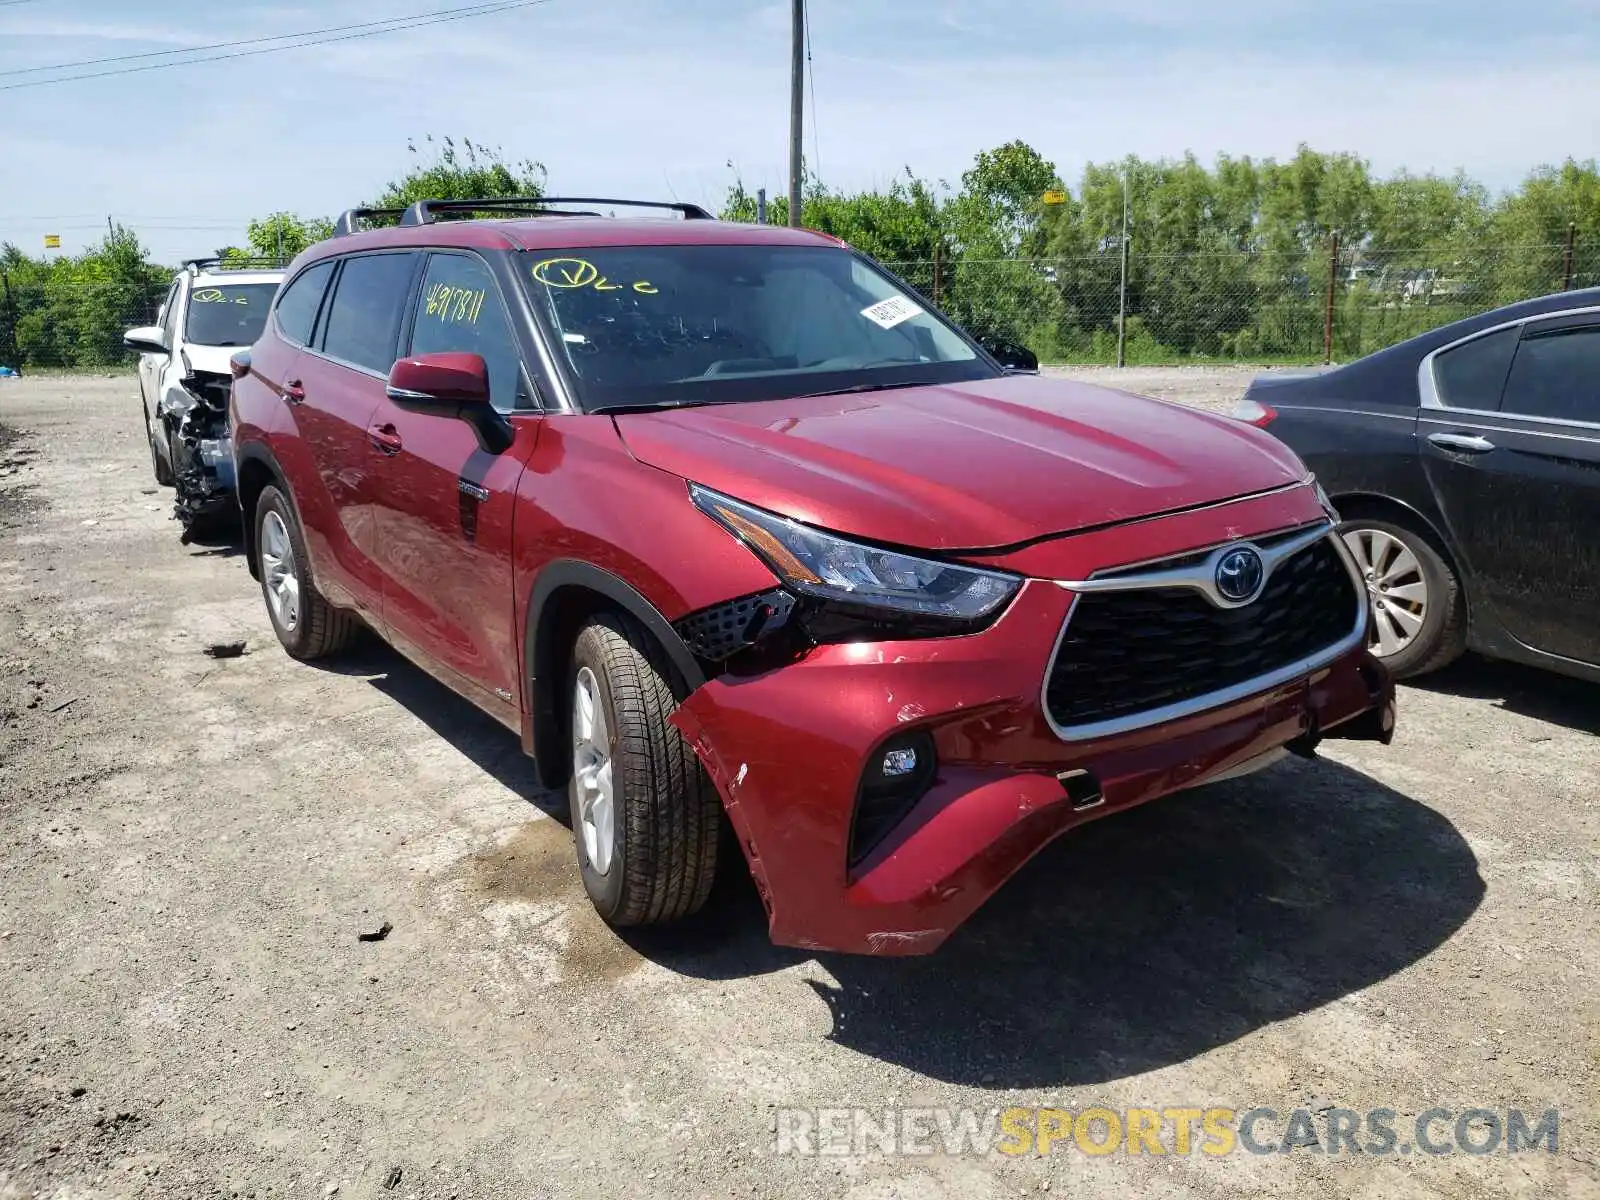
[{"x": 211, "y": 312}]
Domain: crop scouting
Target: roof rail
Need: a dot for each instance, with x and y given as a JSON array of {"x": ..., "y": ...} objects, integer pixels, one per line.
[
  {"x": 350, "y": 220},
  {"x": 426, "y": 212},
  {"x": 194, "y": 265}
]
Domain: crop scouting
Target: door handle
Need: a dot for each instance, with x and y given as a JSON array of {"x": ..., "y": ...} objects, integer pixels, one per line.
[
  {"x": 1461, "y": 443},
  {"x": 294, "y": 392},
  {"x": 385, "y": 438}
]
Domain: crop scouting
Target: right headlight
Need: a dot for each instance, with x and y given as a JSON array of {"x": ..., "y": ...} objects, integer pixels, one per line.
[{"x": 831, "y": 568}]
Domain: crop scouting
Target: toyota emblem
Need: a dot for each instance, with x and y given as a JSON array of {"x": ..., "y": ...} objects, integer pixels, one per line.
[{"x": 1240, "y": 575}]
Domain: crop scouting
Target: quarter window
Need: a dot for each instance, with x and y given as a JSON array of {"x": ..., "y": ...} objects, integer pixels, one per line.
[
  {"x": 1472, "y": 374},
  {"x": 1557, "y": 375},
  {"x": 363, "y": 322},
  {"x": 297, "y": 307},
  {"x": 459, "y": 309}
]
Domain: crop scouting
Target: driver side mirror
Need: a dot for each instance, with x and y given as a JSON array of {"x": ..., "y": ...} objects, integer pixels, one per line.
[
  {"x": 451, "y": 384},
  {"x": 1014, "y": 357},
  {"x": 146, "y": 339}
]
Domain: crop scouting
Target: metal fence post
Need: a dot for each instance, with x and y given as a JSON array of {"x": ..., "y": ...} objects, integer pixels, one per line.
[
  {"x": 1327, "y": 314},
  {"x": 938, "y": 271},
  {"x": 1122, "y": 287},
  {"x": 1566, "y": 265}
]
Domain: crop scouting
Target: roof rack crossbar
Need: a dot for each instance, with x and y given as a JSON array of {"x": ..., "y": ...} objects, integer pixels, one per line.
[
  {"x": 350, "y": 220},
  {"x": 425, "y": 212},
  {"x": 194, "y": 264}
]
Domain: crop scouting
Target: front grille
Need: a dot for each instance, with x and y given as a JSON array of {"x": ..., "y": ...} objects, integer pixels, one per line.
[{"x": 1129, "y": 652}]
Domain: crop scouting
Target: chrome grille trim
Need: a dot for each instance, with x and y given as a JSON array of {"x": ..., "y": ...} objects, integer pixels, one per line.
[{"x": 1190, "y": 577}]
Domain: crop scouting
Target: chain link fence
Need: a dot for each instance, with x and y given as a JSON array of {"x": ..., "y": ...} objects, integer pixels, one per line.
[
  {"x": 1253, "y": 306},
  {"x": 1296, "y": 306}
]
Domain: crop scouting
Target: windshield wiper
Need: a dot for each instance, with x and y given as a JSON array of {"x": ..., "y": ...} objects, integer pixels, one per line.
[{"x": 864, "y": 387}]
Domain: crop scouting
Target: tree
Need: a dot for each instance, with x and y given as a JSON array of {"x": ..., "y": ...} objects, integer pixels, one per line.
[
  {"x": 280, "y": 236},
  {"x": 470, "y": 172}
]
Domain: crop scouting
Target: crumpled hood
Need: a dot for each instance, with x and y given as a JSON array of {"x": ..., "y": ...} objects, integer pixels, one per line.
[
  {"x": 967, "y": 465},
  {"x": 210, "y": 358}
]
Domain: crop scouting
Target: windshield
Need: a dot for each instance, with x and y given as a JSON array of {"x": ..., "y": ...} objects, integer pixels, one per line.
[
  {"x": 687, "y": 324},
  {"x": 231, "y": 315}
]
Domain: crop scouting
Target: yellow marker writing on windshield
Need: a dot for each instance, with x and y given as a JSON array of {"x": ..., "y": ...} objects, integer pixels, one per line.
[{"x": 566, "y": 272}]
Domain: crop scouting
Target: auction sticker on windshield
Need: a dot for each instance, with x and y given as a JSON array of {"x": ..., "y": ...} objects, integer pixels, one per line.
[{"x": 889, "y": 313}]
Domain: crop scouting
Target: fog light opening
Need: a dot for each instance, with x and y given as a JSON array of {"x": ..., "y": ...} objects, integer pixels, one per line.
[{"x": 898, "y": 773}]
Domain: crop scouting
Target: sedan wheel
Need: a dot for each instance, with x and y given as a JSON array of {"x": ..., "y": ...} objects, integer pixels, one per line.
[
  {"x": 1396, "y": 585},
  {"x": 1419, "y": 612}
]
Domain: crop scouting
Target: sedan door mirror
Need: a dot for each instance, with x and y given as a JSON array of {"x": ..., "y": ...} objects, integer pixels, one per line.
[
  {"x": 146, "y": 339},
  {"x": 451, "y": 384}
]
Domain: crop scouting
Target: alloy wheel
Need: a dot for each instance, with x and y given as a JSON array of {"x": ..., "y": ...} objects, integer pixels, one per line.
[
  {"x": 592, "y": 767},
  {"x": 278, "y": 573},
  {"x": 1396, "y": 585}
]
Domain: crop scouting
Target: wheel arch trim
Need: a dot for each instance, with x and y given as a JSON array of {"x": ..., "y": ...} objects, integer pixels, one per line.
[
  {"x": 542, "y": 671},
  {"x": 255, "y": 452}
]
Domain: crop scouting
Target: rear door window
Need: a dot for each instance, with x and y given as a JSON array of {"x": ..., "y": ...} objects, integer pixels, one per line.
[
  {"x": 1556, "y": 374},
  {"x": 459, "y": 308},
  {"x": 1473, "y": 374},
  {"x": 297, "y": 307},
  {"x": 362, "y": 326}
]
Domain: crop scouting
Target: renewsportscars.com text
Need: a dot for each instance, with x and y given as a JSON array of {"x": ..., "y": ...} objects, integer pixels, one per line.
[{"x": 1176, "y": 1130}]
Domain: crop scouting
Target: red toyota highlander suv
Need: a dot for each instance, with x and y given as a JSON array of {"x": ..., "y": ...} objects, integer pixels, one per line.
[{"x": 723, "y": 518}]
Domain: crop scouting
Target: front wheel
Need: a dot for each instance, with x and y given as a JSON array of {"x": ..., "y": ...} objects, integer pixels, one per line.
[
  {"x": 1419, "y": 614},
  {"x": 645, "y": 817}
]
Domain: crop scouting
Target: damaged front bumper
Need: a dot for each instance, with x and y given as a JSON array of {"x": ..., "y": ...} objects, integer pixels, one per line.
[
  {"x": 802, "y": 755},
  {"x": 202, "y": 454}
]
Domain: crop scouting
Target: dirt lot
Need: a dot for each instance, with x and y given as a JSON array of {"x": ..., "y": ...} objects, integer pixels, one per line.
[{"x": 190, "y": 847}]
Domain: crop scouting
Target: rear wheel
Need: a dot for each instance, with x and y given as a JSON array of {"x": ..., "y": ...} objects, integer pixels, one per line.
[
  {"x": 307, "y": 625},
  {"x": 645, "y": 817},
  {"x": 1419, "y": 615}
]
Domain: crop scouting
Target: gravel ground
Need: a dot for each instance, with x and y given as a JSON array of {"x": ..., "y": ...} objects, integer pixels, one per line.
[{"x": 190, "y": 848}]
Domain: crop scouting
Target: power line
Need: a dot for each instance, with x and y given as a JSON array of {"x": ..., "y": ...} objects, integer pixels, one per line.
[
  {"x": 313, "y": 40},
  {"x": 255, "y": 41},
  {"x": 816, "y": 136}
]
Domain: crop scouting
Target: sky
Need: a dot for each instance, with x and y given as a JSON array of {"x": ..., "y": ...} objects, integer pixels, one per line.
[{"x": 674, "y": 99}]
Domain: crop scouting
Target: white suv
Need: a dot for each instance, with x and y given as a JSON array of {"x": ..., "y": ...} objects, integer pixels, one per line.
[{"x": 209, "y": 314}]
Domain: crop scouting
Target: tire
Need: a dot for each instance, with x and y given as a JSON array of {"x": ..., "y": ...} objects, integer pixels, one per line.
[
  {"x": 1408, "y": 647},
  {"x": 665, "y": 814},
  {"x": 307, "y": 625},
  {"x": 163, "y": 469}
]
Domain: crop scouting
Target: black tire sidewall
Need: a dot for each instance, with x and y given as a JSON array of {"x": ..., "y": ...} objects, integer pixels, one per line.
[
  {"x": 273, "y": 500},
  {"x": 1441, "y": 592},
  {"x": 606, "y": 891}
]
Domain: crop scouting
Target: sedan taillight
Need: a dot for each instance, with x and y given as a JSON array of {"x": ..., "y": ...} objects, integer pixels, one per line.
[{"x": 1255, "y": 413}]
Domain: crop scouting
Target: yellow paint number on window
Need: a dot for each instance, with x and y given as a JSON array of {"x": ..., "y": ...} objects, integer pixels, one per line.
[{"x": 452, "y": 305}]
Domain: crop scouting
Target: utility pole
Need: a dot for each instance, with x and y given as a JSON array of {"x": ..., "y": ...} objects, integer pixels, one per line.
[
  {"x": 1122, "y": 291},
  {"x": 797, "y": 95}
]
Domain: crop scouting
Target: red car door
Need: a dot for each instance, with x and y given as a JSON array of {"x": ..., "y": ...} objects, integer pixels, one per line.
[
  {"x": 338, "y": 386},
  {"x": 445, "y": 504}
]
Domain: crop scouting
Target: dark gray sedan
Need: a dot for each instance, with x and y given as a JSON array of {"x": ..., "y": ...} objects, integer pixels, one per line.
[{"x": 1466, "y": 465}]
